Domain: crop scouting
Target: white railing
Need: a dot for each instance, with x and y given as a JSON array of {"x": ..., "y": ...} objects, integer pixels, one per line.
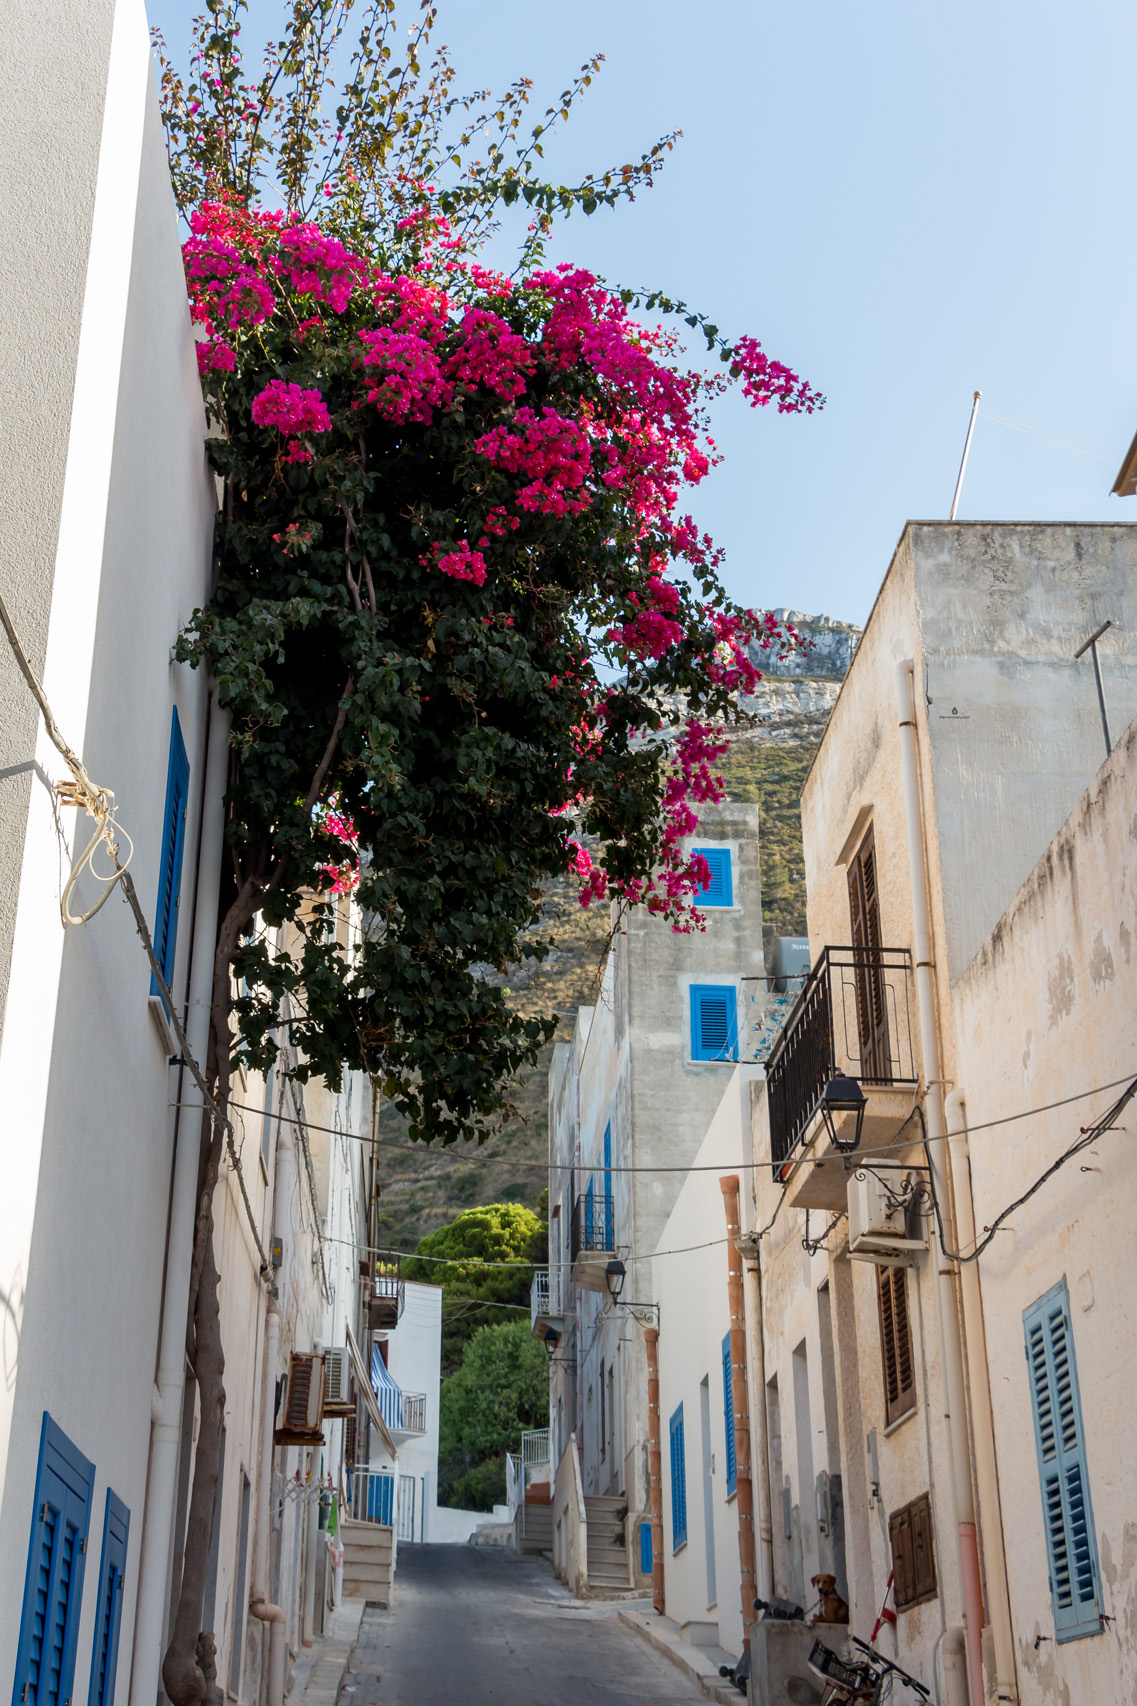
[
  {"x": 413, "y": 1413},
  {"x": 545, "y": 1295},
  {"x": 373, "y": 1495},
  {"x": 514, "y": 1483},
  {"x": 535, "y": 1448}
]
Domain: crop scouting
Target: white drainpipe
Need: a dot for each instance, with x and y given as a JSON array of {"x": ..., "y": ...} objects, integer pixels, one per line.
[
  {"x": 259, "y": 1605},
  {"x": 982, "y": 1418},
  {"x": 166, "y": 1402},
  {"x": 946, "y": 1307}
]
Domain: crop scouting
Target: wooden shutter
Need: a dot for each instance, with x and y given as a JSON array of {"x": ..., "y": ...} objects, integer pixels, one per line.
[
  {"x": 714, "y": 1022},
  {"x": 898, "y": 1365},
  {"x": 678, "y": 1482},
  {"x": 728, "y": 1412},
  {"x": 1067, "y": 1514},
  {"x": 349, "y": 1433},
  {"x": 170, "y": 859},
  {"x": 864, "y": 916},
  {"x": 304, "y": 1403},
  {"x": 913, "y": 1553},
  {"x": 53, "y": 1587},
  {"x": 108, "y": 1614},
  {"x": 720, "y": 890}
]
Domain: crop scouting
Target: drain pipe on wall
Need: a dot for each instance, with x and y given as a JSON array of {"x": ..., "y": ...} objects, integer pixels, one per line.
[
  {"x": 169, "y": 1389},
  {"x": 654, "y": 1467},
  {"x": 259, "y": 1606},
  {"x": 936, "y": 1147},
  {"x": 759, "y": 1438},
  {"x": 982, "y": 1415},
  {"x": 740, "y": 1398}
]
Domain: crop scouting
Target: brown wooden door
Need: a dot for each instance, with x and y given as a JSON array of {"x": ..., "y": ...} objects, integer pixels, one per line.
[{"x": 872, "y": 1013}]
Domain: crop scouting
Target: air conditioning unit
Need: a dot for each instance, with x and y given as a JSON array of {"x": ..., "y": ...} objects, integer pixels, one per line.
[
  {"x": 883, "y": 1218},
  {"x": 338, "y": 1400},
  {"x": 303, "y": 1402}
]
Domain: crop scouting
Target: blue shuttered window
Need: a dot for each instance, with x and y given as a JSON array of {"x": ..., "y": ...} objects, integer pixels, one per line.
[
  {"x": 1067, "y": 1516},
  {"x": 590, "y": 1217},
  {"x": 728, "y": 1412},
  {"x": 720, "y": 891},
  {"x": 609, "y": 1240},
  {"x": 173, "y": 848},
  {"x": 108, "y": 1616},
  {"x": 678, "y": 1482},
  {"x": 53, "y": 1591},
  {"x": 714, "y": 1022},
  {"x": 645, "y": 1548}
]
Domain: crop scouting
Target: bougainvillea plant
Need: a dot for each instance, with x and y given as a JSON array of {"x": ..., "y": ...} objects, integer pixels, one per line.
[{"x": 469, "y": 638}]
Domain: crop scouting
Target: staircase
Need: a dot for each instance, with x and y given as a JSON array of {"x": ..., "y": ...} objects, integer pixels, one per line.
[
  {"x": 607, "y": 1553},
  {"x": 368, "y": 1561},
  {"x": 534, "y": 1528}
]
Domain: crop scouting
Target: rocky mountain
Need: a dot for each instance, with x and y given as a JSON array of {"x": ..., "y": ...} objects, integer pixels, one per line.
[{"x": 767, "y": 762}]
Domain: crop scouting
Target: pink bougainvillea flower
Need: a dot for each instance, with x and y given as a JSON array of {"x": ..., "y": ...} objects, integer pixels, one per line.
[
  {"x": 290, "y": 408},
  {"x": 459, "y": 562},
  {"x": 404, "y": 373}
]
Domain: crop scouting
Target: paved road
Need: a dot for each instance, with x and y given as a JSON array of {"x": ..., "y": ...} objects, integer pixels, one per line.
[{"x": 477, "y": 1626}]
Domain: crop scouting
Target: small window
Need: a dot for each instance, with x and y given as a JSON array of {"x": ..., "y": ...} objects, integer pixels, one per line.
[
  {"x": 108, "y": 1616},
  {"x": 173, "y": 848},
  {"x": 913, "y": 1554},
  {"x": 714, "y": 1021},
  {"x": 728, "y": 1412},
  {"x": 678, "y": 1482},
  {"x": 895, "y": 1344},
  {"x": 645, "y": 1548},
  {"x": 53, "y": 1587},
  {"x": 1067, "y": 1516},
  {"x": 720, "y": 889}
]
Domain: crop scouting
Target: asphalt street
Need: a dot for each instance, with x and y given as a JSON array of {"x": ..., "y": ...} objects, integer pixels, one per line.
[{"x": 478, "y": 1626}]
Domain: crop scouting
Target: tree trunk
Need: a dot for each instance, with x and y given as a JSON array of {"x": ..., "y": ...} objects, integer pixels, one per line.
[{"x": 183, "y": 1677}]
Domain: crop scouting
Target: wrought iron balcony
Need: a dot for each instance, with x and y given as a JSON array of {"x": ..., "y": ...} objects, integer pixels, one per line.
[
  {"x": 593, "y": 1224},
  {"x": 386, "y": 1294},
  {"x": 853, "y": 1016}
]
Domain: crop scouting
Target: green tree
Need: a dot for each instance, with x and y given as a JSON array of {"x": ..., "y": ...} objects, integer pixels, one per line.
[
  {"x": 473, "y": 1290},
  {"x": 501, "y": 1389}
]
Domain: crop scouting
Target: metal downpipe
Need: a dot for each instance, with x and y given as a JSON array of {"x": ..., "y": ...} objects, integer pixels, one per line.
[
  {"x": 740, "y": 1399},
  {"x": 259, "y": 1606},
  {"x": 947, "y": 1308}
]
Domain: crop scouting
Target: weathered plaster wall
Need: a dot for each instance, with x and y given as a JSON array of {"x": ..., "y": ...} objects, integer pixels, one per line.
[
  {"x": 1047, "y": 1010},
  {"x": 691, "y": 1288}
]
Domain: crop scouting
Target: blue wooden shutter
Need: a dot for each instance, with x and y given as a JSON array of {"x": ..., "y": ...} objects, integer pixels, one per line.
[
  {"x": 1067, "y": 1516},
  {"x": 590, "y": 1217},
  {"x": 678, "y": 1482},
  {"x": 714, "y": 1021},
  {"x": 645, "y": 1548},
  {"x": 53, "y": 1590},
  {"x": 728, "y": 1411},
  {"x": 108, "y": 1615},
  {"x": 173, "y": 847},
  {"x": 609, "y": 1229},
  {"x": 720, "y": 890}
]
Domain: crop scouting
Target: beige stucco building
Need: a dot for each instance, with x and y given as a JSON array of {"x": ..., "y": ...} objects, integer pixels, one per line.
[{"x": 967, "y": 922}]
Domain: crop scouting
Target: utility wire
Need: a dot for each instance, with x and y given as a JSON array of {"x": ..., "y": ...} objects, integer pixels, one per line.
[
  {"x": 96, "y": 802},
  {"x": 1089, "y": 1136},
  {"x": 423, "y": 1151}
]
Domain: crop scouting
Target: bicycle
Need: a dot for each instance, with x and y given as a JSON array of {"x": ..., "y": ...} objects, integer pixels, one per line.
[{"x": 869, "y": 1679}]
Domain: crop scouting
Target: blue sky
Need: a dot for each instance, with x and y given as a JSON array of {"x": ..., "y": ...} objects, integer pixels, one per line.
[{"x": 904, "y": 203}]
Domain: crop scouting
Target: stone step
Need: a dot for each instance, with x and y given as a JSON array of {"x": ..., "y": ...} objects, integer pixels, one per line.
[
  {"x": 603, "y": 1501},
  {"x": 368, "y": 1549}
]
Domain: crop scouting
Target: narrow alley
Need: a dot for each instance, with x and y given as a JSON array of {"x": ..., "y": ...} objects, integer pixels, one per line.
[{"x": 480, "y": 1626}]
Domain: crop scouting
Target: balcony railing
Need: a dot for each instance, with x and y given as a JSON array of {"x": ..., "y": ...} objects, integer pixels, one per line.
[
  {"x": 545, "y": 1295},
  {"x": 413, "y": 1419},
  {"x": 387, "y": 1294},
  {"x": 593, "y": 1224},
  {"x": 853, "y": 1016}
]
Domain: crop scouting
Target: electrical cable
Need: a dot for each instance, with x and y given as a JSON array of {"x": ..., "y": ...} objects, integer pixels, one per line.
[
  {"x": 424, "y": 1150},
  {"x": 97, "y": 803},
  {"x": 1088, "y": 1138}
]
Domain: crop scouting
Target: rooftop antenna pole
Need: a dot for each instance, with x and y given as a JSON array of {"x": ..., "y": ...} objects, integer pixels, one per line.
[
  {"x": 966, "y": 450},
  {"x": 1091, "y": 646}
]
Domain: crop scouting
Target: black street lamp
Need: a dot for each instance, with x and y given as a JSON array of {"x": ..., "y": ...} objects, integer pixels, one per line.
[
  {"x": 552, "y": 1340},
  {"x": 614, "y": 1276},
  {"x": 843, "y": 1096}
]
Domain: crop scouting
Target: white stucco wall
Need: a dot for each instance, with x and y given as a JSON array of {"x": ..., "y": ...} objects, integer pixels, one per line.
[
  {"x": 1047, "y": 1010},
  {"x": 83, "y": 1076},
  {"x": 414, "y": 1359},
  {"x": 691, "y": 1286}
]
